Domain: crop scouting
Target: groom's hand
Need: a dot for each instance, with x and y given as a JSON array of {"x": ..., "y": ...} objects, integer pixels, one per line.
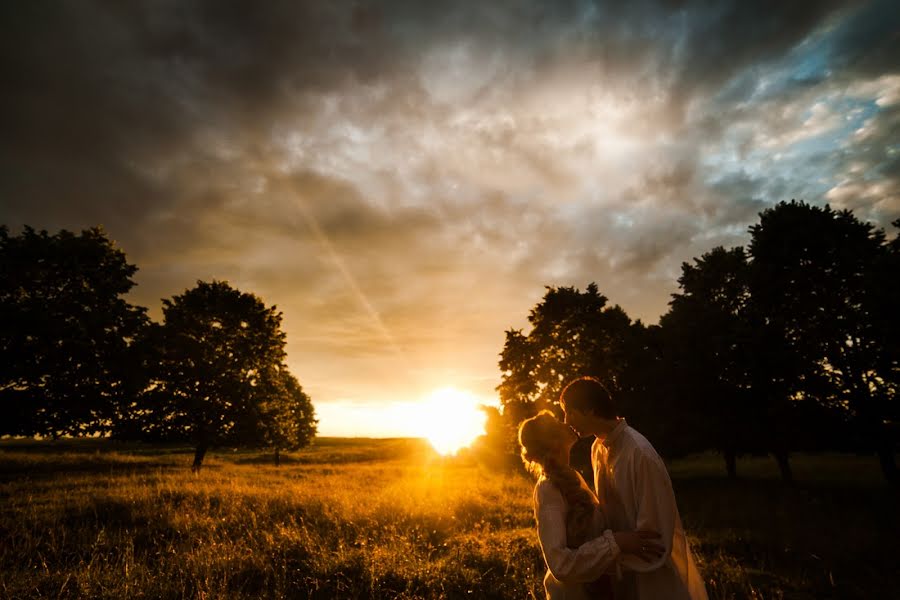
[{"x": 644, "y": 544}]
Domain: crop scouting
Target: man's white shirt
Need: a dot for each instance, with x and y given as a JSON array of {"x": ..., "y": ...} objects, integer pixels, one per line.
[{"x": 635, "y": 492}]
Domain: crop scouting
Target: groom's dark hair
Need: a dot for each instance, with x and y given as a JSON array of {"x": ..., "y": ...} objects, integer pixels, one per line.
[{"x": 588, "y": 395}]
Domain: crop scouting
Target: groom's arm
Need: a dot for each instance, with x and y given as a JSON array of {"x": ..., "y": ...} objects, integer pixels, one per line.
[{"x": 654, "y": 499}]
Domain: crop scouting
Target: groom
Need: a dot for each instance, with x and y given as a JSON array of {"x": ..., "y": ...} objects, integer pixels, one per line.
[{"x": 635, "y": 492}]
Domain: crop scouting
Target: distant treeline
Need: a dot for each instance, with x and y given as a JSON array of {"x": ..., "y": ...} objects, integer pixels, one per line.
[
  {"x": 77, "y": 359},
  {"x": 788, "y": 344}
]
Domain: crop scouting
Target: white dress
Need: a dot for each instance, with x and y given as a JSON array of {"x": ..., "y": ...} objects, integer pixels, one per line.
[
  {"x": 568, "y": 568},
  {"x": 634, "y": 488}
]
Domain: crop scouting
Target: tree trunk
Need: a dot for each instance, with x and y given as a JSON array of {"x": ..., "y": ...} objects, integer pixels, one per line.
[
  {"x": 883, "y": 443},
  {"x": 884, "y": 447},
  {"x": 888, "y": 464},
  {"x": 277, "y": 457},
  {"x": 731, "y": 463},
  {"x": 784, "y": 465},
  {"x": 199, "y": 453}
]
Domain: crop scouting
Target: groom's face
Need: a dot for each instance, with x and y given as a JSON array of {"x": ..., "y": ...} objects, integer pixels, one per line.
[{"x": 576, "y": 420}]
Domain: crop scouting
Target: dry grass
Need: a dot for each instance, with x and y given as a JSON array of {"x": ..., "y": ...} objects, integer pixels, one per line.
[
  {"x": 114, "y": 525},
  {"x": 388, "y": 519}
]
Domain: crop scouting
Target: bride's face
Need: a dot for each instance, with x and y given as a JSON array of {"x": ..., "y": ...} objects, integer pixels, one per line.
[
  {"x": 567, "y": 436},
  {"x": 546, "y": 434}
]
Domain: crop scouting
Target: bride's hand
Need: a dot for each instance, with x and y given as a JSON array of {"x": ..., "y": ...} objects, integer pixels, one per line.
[{"x": 643, "y": 544}]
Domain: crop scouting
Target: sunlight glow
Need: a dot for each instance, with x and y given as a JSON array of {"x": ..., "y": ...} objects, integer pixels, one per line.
[{"x": 451, "y": 419}]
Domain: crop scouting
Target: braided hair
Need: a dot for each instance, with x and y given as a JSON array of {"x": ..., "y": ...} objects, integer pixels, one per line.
[{"x": 539, "y": 438}]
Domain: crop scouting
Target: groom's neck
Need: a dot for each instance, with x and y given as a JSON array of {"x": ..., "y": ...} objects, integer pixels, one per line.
[{"x": 602, "y": 427}]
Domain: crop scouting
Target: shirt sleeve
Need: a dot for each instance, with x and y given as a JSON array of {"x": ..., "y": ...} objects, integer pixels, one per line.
[
  {"x": 569, "y": 565},
  {"x": 656, "y": 510}
]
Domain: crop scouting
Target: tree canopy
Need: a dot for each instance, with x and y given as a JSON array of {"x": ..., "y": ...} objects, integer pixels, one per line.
[
  {"x": 288, "y": 417},
  {"x": 708, "y": 342},
  {"x": 217, "y": 375},
  {"x": 820, "y": 280},
  {"x": 572, "y": 333},
  {"x": 66, "y": 335},
  {"x": 77, "y": 359},
  {"x": 788, "y": 345}
]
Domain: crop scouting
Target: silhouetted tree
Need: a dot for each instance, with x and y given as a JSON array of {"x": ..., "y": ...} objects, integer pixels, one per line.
[
  {"x": 708, "y": 345},
  {"x": 883, "y": 288},
  {"x": 815, "y": 277},
  {"x": 646, "y": 392},
  {"x": 66, "y": 332},
  {"x": 288, "y": 416},
  {"x": 217, "y": 373},
  {"x": 573, "y": 333}
]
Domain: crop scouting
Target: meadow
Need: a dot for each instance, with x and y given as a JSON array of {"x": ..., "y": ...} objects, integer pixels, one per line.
[{"x": 391, "y": 519}]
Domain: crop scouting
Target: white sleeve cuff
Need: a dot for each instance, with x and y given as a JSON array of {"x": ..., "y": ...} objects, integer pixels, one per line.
[
  {"x": 613, "y": 546},
  {"x": 614, "y": 551}
]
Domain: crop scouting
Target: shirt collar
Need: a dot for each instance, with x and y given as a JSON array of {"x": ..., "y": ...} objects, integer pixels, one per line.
[{"x": 615, "y": 434}]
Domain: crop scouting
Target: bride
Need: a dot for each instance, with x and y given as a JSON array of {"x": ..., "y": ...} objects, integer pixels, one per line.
[{"x": 578, "y": 549}]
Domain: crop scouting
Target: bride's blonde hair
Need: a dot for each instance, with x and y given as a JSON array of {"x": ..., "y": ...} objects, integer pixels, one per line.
[{"x": 540, "y": 439}]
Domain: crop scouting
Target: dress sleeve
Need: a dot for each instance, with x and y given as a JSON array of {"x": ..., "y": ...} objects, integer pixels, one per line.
[
  {"x": 656, "y": 510},
  {"x": 569, "y": 565}
]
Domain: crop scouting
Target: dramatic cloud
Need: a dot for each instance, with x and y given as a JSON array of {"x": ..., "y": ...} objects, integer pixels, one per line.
[{"x": 403, "y": 178}]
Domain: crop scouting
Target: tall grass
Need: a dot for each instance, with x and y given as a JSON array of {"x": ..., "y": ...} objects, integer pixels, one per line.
[
  {"x": 830, "y": 535},
  {"x": 116, "y": 525},
  {"x": 389, "y": 519}
]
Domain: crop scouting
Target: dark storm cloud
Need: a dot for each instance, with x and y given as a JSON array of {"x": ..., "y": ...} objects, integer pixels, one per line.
[
  {"x": 723, "y": 37},
  {"x": 109, "y": 107},
  {"x": 868, "y": 41},
  {"x": 99, "y": 93}
]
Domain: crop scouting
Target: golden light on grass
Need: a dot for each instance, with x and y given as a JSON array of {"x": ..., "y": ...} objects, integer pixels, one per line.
[{"x": 451, "y": 419}]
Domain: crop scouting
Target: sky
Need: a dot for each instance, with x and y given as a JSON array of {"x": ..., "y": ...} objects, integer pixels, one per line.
[{"x": 403, "y": 179}]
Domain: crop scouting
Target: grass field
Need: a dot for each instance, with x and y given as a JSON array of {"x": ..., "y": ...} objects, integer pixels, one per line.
[{"x": 390, "y": 519}]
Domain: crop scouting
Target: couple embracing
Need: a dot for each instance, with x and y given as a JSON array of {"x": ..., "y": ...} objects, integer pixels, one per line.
[{"x": 621, "y": 540}]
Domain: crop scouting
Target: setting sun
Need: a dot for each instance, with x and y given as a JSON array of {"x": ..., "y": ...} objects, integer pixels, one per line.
[{"x": 451, "y": 419}]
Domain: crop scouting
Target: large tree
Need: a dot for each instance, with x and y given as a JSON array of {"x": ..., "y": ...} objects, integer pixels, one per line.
[
  {"x": 648, "y": 393},
  {"x": 288, "y": 416},
  {"x": 885, "y": 287},
  {"x": 217, "y": 374},
  {"x": 572, "y": 333},
  {"x": 710, "y": 343},
  {"x": 816, "y": 282},
  {"x": 66, "y": 332}
]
